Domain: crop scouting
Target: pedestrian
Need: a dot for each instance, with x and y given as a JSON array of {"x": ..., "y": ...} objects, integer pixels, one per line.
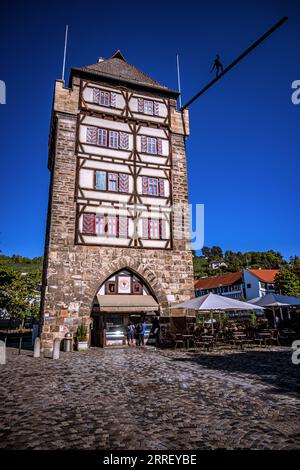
[
  {"x": 144, "y": 331},
  {"x": 138, "y": 334},
  {"x": 130, "y": 333},
  {"x": 155, "y": 329}
]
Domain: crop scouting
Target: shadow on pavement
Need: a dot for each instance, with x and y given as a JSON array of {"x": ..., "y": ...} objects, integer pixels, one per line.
[{"x": 272, "y": 367}]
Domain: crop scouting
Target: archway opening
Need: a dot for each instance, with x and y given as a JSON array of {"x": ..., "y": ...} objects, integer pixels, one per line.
[{"x": 125, "y": 312}]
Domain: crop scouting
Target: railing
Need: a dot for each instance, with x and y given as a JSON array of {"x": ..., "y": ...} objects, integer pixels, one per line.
[{"x": 21, "y": 337}]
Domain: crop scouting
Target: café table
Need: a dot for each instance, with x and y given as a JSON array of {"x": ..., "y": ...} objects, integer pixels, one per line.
[
  {"x": 187, "y": 339},
  {"x": 264, "y": 337},
  {"x": 207, "y": 340},
  {"x": 239, "y": 338}
]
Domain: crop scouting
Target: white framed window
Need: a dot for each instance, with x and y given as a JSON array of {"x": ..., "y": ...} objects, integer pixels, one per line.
[
  {"x": 107, "y": 225},
  {"x": 113, "y": 182},
  {"x": 114, "y": 139},
  {"x": 100, "y": 180},
  {"x": 153, "y": 187},
  {"x": 102, "y": 137},
  {"x": 148, "y": 107},
  {"x": 112, "y": 225},
  {"x": 100, "y": 224},
  {"x": 154, "y": 229},
  {"x": 104, "y": 98},
  {"x": 152, "y": 145}
]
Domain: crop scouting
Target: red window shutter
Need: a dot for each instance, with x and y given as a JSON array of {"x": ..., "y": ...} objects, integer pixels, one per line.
[
  {"x": 145, "y": 228},
  {"x": 145, "y": 185},
  {"x": 123, "y": 227},
  {"x": 96, "y": 95},
  {"x": 124, "y": 140},
  {"x": 159, "y": 147},
  {"x": 144, "y": 143},
  {"x": 156, "y": 108},
  {"x": 91, "y": 135},
  {"x": 89, "y": 224},
  {"x": 123, "y": 183},
  {"x": 161, "y": 187},
  {"x": 163, "y": 229},
  {"x": 113, "y": 100},
  {"x": 140, "y": 105}
]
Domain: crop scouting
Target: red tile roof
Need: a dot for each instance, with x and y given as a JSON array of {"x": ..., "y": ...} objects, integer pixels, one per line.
[
  {"x": 265, "y": 275},
  {"x": 217, "y": 281}
]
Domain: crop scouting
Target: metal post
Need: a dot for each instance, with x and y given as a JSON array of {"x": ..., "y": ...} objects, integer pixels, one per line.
[
  {"x": 178, "y": 80},
  {"x": 65, "y": 53},
  {"x": 20, "y": 345}
]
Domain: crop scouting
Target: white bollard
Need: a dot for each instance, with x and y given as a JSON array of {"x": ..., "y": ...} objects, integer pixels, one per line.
[
  {"x": 2, "y": 353},
  {"x": 37, "y": 347},
  {"x": 56, "y": 348}
]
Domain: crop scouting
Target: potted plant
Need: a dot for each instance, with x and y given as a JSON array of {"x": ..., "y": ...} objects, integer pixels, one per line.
[
  {"x": 253, "y": 318},
  {"x": 224, "y": 320},
  {"x": 82, "y": 337}
]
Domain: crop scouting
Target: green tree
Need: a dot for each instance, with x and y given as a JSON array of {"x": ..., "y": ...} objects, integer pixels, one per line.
[
  {"x": 206, "y": 252},
  {"x": 295, "y": 265},
  {"x": 216, "y": 253},
  {"x": 287, "y": 282},
  {"x": 19, "y": 292}
]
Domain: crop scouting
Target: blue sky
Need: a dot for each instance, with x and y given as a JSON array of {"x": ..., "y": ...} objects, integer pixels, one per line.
[{"x": 243, "y": 151}]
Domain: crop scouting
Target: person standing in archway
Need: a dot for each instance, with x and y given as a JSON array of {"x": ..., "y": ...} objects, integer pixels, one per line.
[
  {"x": 130, "y": 333},
  {"x": 155, "y": 329},
  {"x": 139, "y": 334}
]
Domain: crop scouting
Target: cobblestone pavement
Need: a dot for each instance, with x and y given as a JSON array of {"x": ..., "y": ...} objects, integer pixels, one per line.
[{"x": 151, "y": 399}]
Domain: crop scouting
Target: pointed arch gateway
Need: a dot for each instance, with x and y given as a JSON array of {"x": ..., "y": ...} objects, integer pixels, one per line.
[{"x": 124, "y": 296}]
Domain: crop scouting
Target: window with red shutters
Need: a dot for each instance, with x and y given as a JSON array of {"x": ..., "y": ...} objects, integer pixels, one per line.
[
  {"x": 153, "y": 186},
  {"x": 154, "y": 229},
  {"x": 151, "y": 145},
  {"x": 104, "y": 98}
]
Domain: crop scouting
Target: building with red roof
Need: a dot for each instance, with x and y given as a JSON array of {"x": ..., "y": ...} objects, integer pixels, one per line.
[
  {"x": 259, "y": 282},
  {"x": 249, "y": 283},
  {"x": 230, "y": 284}
]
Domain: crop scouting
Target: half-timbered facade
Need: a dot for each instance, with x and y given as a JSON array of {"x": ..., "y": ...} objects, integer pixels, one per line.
[{"x": 118, "y": 166}]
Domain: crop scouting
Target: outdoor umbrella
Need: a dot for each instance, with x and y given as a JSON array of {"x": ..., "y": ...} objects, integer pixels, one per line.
[
  {"x": 216, "y": 303},
  {"x": 274, "y": 301}
]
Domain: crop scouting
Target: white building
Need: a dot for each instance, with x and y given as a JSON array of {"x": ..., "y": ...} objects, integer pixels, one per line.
[
  {"x": 229, "y": 284},
  {"x": 259, "y": 282}
]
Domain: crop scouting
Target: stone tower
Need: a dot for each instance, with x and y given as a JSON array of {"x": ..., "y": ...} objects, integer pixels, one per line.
[{"x": 118, "y": 166}]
